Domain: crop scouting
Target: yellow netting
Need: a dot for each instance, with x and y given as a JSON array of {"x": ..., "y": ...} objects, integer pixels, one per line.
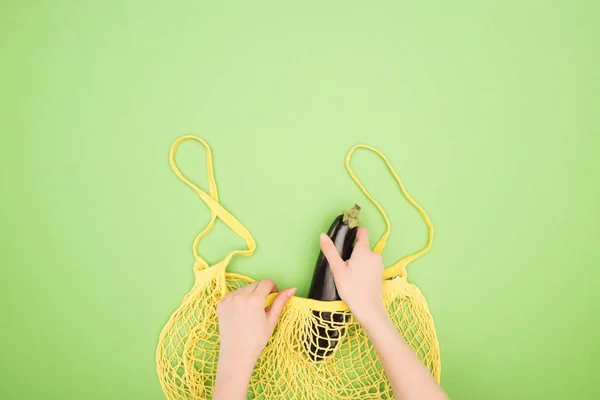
[{"x": 318, "y": 350}]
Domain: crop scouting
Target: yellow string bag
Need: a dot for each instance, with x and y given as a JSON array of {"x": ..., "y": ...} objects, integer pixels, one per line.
[{"x": 188, "y": 348}]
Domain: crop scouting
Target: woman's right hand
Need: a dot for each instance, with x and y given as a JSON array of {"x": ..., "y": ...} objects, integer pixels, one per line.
[
  {"x": 359, "y": 280},
  {"x": 360, "y": 284}
]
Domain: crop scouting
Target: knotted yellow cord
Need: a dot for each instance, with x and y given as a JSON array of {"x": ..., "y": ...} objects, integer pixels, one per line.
[
  {"x": 188, "y": 346},
  {"x": 212, "y": 201},
  {"x": 399, "y": 267}
]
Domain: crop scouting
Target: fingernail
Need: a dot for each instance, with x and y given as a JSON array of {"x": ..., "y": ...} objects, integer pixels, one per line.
[
  {"x": 292, "y": 292},
  {"x": 323, "y": 237}
]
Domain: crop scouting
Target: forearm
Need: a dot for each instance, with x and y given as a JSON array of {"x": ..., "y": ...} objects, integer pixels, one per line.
[
  {"x": 409, "y": 377},
  {"x": 233, "y": 377}
]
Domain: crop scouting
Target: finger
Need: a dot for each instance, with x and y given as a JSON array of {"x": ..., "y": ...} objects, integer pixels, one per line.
[
  {"x": 331, "y": 253},
  {"x": 362, "y": 238},
  {"x": 247, "y": 290},
  {"x": 277, "y": 306},
  {"x": 265, "y": 287}
]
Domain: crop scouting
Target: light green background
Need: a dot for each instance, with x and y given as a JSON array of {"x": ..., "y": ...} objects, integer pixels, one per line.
[{"x": 489, "y": 111}]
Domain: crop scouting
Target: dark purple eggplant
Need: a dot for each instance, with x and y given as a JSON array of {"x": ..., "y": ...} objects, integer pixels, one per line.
[{"x": 329, "y": 327}]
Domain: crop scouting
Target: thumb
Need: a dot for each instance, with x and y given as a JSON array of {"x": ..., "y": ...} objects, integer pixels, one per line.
[{"x": 275, "y": 310}]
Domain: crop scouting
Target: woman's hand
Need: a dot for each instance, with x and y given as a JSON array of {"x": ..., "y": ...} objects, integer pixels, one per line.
[
  {"x": 245, "y": 328},
  {"x": 244, "y": 324},
  {"x": 359, "y": 280},
  {"x": 360, "y": 284}
]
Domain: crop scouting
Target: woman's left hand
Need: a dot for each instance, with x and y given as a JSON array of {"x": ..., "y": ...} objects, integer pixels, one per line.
[{"x": 245, "y": 327}]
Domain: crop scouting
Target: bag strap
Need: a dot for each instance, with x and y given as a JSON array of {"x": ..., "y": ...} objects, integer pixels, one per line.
[
  {"x": 212, "y": 201},
  {"x": 399, "y": 267}
]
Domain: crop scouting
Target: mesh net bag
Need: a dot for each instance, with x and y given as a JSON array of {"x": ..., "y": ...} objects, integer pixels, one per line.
[{"x": 317, "y": 351}]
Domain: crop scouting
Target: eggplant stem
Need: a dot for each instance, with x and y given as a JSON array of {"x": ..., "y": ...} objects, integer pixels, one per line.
[{"x": 351, "y": 217}]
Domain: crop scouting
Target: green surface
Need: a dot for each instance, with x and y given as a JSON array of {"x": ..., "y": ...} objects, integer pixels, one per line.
[{"x": 489, "y": 111}]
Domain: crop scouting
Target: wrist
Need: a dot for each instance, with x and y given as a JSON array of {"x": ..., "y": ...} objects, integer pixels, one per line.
[
  {"x": 241, "y": 361},
  {"x": 373, "y": 318},
  {"x": 234, "y": 372}
]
